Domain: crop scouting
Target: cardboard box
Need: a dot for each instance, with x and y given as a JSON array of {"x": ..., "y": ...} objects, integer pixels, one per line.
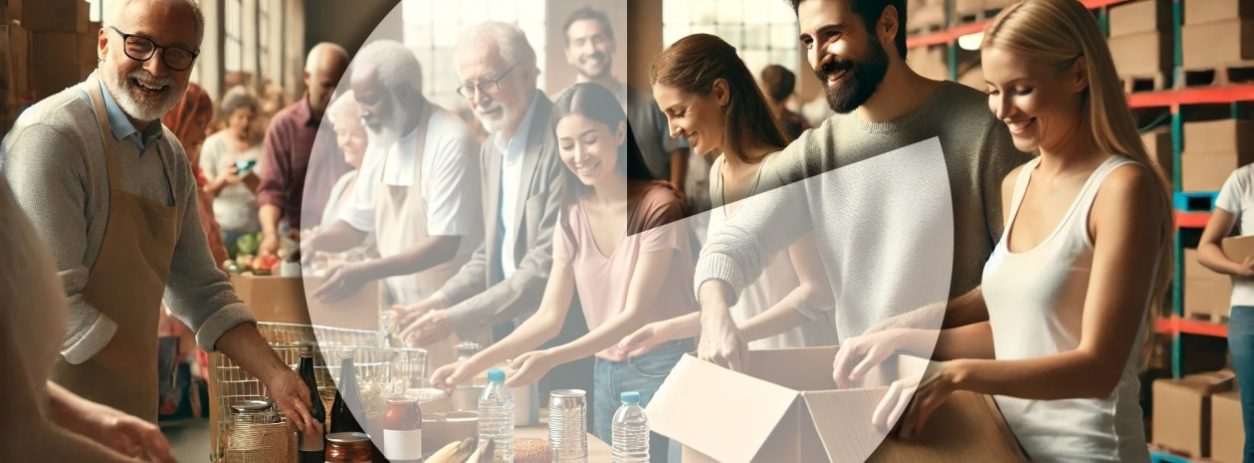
[
  {"x": 1158, "y": 147},
  {"x": 1221, "y": 136},
  {"x": 1217, "y": 43},
  {"x": 1227, "y": 430},
  {"x": 1204, "y": 172},
  {"x": 1140, "y": 16},
  {"x": 967, "y": 6},
  {"x": 1205, "y": 11},
  {"x": 786, "y": 409},
  {"x": 1205, "y": 292},
  {"x": 1238, "y": 248},
  {"x": 1182, "y": 412},
  {"x": 283, "y": 299},
  {"x": 1142, "y": 54},
  {"x": 10, "y": 10},
  {"x": 53, "y": 62},
  {"x": 56, "y": 15}
]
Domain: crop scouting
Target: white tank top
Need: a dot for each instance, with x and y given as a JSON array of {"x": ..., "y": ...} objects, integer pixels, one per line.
[{"x": 1035, "y": 305}]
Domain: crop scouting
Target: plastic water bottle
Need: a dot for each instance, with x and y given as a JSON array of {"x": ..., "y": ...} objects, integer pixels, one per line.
[
  {"x": 496, "y": 417},
  {"x": 631, "y": 431}
]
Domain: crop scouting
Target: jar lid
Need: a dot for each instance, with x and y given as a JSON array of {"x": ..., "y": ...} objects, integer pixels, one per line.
[
  {"x": 402, "y": 399},
  {"x": 305, "y": 349},
  {"x": 251, "y": 406},
  {"x": 347, "y": 437}
]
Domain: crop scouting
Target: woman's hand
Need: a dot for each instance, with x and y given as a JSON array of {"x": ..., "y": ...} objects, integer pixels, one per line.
[
  {"x": 528, "y": 368},
  {"x": 857, "y": 356},
  {"x": 938, "y": 383}
]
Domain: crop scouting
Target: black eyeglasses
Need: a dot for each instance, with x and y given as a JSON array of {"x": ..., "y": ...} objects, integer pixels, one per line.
[
  {"x": 142, "y": 49},
  {"x": 467, "y": 90}
]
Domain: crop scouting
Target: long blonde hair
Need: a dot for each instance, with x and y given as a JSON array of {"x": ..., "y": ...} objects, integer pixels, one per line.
[{"x": 1057, "y": 32}]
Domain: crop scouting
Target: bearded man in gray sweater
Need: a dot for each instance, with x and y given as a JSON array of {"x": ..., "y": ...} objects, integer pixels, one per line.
[{"x": 110, "y": 192}]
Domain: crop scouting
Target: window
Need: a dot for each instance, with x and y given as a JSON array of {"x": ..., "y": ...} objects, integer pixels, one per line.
[
  {"x": 263, "y": 41},
  {"x": 764, "y": 32},
  {"x": 432, "y": 29},
  {"x": 233, "y": 52}
]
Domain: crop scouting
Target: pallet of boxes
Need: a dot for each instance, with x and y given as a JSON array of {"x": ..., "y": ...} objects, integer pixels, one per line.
[
  {"x": 1217, "y": 42},
  {"x": 1141, "y": 43},
  {"x": 1199, "y": 416},
  {"x": 62, "y": 43}
]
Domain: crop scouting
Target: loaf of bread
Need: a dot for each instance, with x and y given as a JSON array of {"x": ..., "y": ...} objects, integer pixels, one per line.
[{"x": 532, "y": 451}]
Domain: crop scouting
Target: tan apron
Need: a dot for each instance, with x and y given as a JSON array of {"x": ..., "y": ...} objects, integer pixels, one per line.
[
  {"x": 401, "y": 222},
  {"x": 126, "y": 284}
]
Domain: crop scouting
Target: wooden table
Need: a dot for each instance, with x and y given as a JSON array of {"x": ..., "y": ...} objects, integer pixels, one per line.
[{"x": 597, "y": 450}]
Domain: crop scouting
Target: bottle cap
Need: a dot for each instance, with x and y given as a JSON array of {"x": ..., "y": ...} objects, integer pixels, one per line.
[
  {"x": 630, "y": 397},
  {"x": 496, "y": 376}
]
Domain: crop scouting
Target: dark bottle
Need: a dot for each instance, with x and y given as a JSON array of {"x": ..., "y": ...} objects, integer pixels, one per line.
[
  {"x": 347, "y": 397},
  {"x": 312, "y": 447}
]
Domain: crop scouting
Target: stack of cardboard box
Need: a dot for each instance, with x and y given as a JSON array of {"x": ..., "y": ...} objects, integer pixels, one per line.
[
  {"x": 55, "y": 60},
  {"x": 1141, "y": 41},
  {"x": 1206, "y": 293},
  {"x": 1227, "y": 430},
  {"x": 1212, "y": 150},
  {"x": 1217, "y": 33},
  {"x": 930, "y": 61},
  {"x": 925, "y": 15},
  {"x": 1183, "y": 412}
]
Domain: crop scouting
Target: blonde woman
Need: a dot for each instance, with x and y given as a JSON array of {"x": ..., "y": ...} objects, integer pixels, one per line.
[{"x": 1086, "y": 249}]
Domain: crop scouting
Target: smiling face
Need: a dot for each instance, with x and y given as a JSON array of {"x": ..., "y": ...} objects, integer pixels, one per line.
[
  {"x": 699, "y": 119},
  {"x": 589, "y": 48},
  {"x": 848, "y": 58},
  {"x": 1039, "y": 103},
  {"x": 589, "y": 148},
  {"x": 380, "y": 114},
  {"x": 147, "y": 90},
  {"x": 503, "y": 108}
]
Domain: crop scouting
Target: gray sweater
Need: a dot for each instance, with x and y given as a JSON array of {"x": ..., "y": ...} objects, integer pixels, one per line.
[
  {"x": 55, "y": 162},
  {"x": 905, "y": 213}
]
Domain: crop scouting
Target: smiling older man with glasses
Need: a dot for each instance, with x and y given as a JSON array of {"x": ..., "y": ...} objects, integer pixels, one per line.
[
  {"x": 112, "y": 196},
  {"x": 504, "y": 280}
]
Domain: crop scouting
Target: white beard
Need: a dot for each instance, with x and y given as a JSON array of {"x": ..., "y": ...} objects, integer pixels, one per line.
[
  {"x": 493, "y": 126},
  {"x": 150, "y": 110},
  {"x": 385, "y": 137}
]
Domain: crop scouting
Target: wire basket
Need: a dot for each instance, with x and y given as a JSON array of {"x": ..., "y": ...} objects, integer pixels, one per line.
[{"x": 229, "y": 383}]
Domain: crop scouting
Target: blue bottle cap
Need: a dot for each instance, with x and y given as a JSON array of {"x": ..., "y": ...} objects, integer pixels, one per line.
[
  {"x": 630, "y": 397},
  {"x": 497, "y": 376}
]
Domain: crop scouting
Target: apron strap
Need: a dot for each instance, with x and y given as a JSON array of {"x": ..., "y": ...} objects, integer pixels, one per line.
[{"x": 102, "y": 118}]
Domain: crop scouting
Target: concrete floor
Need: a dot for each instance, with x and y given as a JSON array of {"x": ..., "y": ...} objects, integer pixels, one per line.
[{"x": 189, "y": 442}]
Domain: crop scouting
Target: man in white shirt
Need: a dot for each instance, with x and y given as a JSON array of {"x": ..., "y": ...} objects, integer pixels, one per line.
[{"x": 418, "y": 191}]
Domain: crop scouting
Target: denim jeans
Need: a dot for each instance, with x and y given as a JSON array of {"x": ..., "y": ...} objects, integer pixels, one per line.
[
  {"x": 643, "y": 374},
  {"x": 1241, "y": 343}
]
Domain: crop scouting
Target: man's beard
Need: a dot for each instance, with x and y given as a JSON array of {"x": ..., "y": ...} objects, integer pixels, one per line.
[
  {"x": 147, "y": 109},
  {"x": 385, "y": 136},
  {"x": 605, "y": 67},
  {"x": 862, "y": 82},
  {"x": 492, "y": 126}
]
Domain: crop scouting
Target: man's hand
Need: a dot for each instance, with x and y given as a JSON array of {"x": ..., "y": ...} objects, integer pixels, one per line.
[
  {"x": 291, "y": 395},
  {"x": 857, "y": 356},
  {"x": 343, "y": 282},
  {"x": 269, "y": 244},
  {"x": 721, "y": 342},
  {"x": 407, "y": 315},
  {"x": 433, "y": 327}
]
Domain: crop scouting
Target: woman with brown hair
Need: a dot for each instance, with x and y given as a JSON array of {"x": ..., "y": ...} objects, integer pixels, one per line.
[{"x": 710, "y": 97}]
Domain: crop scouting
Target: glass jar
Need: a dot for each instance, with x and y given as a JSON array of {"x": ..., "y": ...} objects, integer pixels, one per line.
[
  {"x": 402, "y": 430},
  {"x": 348, "y": 447}
]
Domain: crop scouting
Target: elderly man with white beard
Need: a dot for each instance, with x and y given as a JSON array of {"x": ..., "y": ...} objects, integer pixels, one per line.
[
  {"x": 111, "y": 194},
  {"x": 418, "y": 190}
]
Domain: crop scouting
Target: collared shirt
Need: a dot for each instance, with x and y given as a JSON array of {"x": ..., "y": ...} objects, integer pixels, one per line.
[
  {"x": 511, "y": 181},
  {"x": 449, "y": 180},
  {"x": 294, "y": 163},
  {"x": 123, "y": 129}
]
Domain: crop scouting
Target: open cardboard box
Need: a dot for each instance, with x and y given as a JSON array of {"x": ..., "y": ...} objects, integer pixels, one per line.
[
  {"x": 786, "y": 409},
  {"x": 283, "y": 299}
]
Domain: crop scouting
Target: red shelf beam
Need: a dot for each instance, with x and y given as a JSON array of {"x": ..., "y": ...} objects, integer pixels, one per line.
[
  {"x": 1176, "y": 325},
  {"x": 950, "y": 35},
  {"x": 1192, "y": 219}
]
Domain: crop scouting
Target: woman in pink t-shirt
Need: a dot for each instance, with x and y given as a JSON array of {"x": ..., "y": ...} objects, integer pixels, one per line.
[{"x": 621, "y": 243}]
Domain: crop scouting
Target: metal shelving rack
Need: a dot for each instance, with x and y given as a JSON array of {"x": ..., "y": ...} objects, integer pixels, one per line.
[{"x": 1172, "y": 99}]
